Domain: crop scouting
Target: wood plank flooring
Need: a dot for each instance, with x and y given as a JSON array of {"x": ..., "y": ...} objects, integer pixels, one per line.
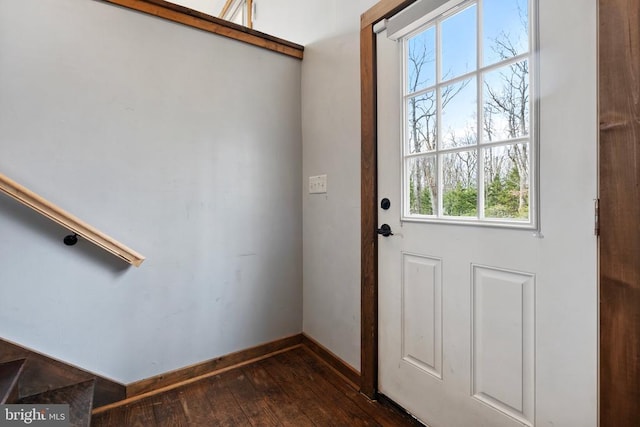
[{"x": 294, "y": 388}]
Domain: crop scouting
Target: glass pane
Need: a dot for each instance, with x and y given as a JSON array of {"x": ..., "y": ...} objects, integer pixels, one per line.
[
  {"x": 421, "y": 122},
  {"x": 459, "y": 121},
  {"x": 506, "y": 182},
  {"x": 423, "y": 185},
  {"x": 460, "y": 182},
  {"x": 421, "y": 60},
  {"x": 459, "y": 46},
  {"x": 505, "y": 29},
  {"x": 506, "y": 102}
]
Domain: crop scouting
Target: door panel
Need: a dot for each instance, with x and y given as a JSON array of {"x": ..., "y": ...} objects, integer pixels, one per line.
[
  {"x": 503, "y": 328},
  {"x": 485, "y": 326},
  {"x": 422, "y": 313}
]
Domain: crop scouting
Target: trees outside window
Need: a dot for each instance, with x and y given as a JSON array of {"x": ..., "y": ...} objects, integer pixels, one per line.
[{"x": 467, "y": 107}]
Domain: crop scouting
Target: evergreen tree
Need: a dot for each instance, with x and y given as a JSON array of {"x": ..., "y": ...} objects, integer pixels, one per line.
[
  {"x": 502, "y": 197},
  {"x": 461, "y": 201},
  {"x": 425, "y": 207}
]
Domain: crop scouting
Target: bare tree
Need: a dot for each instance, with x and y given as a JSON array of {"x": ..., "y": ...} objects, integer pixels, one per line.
[
  {"x": 505, "y": 116},
  {"x": 510, "y": 101},
  {"x": 422, "y": 124}
]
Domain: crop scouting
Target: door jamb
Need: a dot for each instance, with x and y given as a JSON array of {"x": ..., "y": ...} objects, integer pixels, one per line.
[
  {"x": 369, "y": 192},
  {"x": 619, "y": 244}
]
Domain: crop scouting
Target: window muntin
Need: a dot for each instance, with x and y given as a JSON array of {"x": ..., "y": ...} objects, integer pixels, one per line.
[{"x": 468, "y": 151}]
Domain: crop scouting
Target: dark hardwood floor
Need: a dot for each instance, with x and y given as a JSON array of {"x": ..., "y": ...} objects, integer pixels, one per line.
[{"x": 294, "y": 388}]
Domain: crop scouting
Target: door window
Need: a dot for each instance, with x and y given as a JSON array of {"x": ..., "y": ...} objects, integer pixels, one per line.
[{"x": 469, "y": 147}]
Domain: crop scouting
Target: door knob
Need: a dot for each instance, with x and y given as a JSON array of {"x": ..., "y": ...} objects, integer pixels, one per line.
[{"x": 385, "y": 230}]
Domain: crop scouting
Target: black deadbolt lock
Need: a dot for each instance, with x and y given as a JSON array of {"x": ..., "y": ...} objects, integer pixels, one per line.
[{"x": 385, "y": 204}]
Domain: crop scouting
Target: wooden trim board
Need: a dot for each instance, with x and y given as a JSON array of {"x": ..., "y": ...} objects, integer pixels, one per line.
[
  {"x": 181, "y": 377},
  {"x": 65, "y": 219},
  {"x": 211, "y": 24},
  {"x": 205, "y": 368},
  {"x": 250, "y": 13},
  {"x": 339, "y": 365},
  {"x": 619, "y": 177},
  {"x": 225, "y": 9},
  {"x": 138, "y": 397},
  {"x": 369, "y": 215}
]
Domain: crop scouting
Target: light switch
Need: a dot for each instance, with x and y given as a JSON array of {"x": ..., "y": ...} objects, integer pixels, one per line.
[{"x": 318, "y": 184}]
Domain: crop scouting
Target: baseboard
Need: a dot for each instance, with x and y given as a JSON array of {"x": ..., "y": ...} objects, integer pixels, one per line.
[
  {"x": 42, "y": 372},
  {"x": 342, "y": 367},
  {"x": 180, "y": 377},
  {"x": 203, "y": 368},
  {"x": 109, "y": 392}
]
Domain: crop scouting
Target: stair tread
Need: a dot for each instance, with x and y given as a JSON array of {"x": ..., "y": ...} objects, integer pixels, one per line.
[
  {"x": 40, "y": 376},
  {"x": 9, "y": 374},
  {"x": 78, "y": 396},
  {"x": 42, "y": 373}
]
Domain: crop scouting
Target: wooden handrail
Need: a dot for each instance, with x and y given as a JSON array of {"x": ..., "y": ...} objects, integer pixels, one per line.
[
  {"x": 65, "y": 219},
  {"x": 225, "y": 9}
]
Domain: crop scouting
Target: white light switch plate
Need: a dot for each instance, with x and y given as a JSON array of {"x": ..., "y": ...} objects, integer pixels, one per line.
[{"x": 317, "y": 184}]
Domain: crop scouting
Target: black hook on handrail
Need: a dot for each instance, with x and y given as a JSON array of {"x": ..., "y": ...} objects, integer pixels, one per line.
[{"x": 71, "y": 239}]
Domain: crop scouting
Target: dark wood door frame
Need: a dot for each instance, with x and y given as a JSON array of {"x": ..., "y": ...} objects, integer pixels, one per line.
[
  {"x": 619, "y": 183},
  {"x": 619, "y": 180},
  {"x": 369, "y": 193}
]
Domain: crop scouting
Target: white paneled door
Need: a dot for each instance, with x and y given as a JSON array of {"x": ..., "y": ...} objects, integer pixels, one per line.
[{"x": 487, "y": 284}]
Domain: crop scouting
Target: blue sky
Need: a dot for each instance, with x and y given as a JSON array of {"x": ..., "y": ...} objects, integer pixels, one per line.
[
  {"x": 459, "y": 51},
  {"x": 459, "y": 35}
]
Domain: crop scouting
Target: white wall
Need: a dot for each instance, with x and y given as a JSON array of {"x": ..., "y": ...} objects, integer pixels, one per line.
[
  {"x": 210, "y": 7},
  {"x": 330, "y": 31},
  {"x": 166, "y": 138},
  {"x": 331, "y": 222}
]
